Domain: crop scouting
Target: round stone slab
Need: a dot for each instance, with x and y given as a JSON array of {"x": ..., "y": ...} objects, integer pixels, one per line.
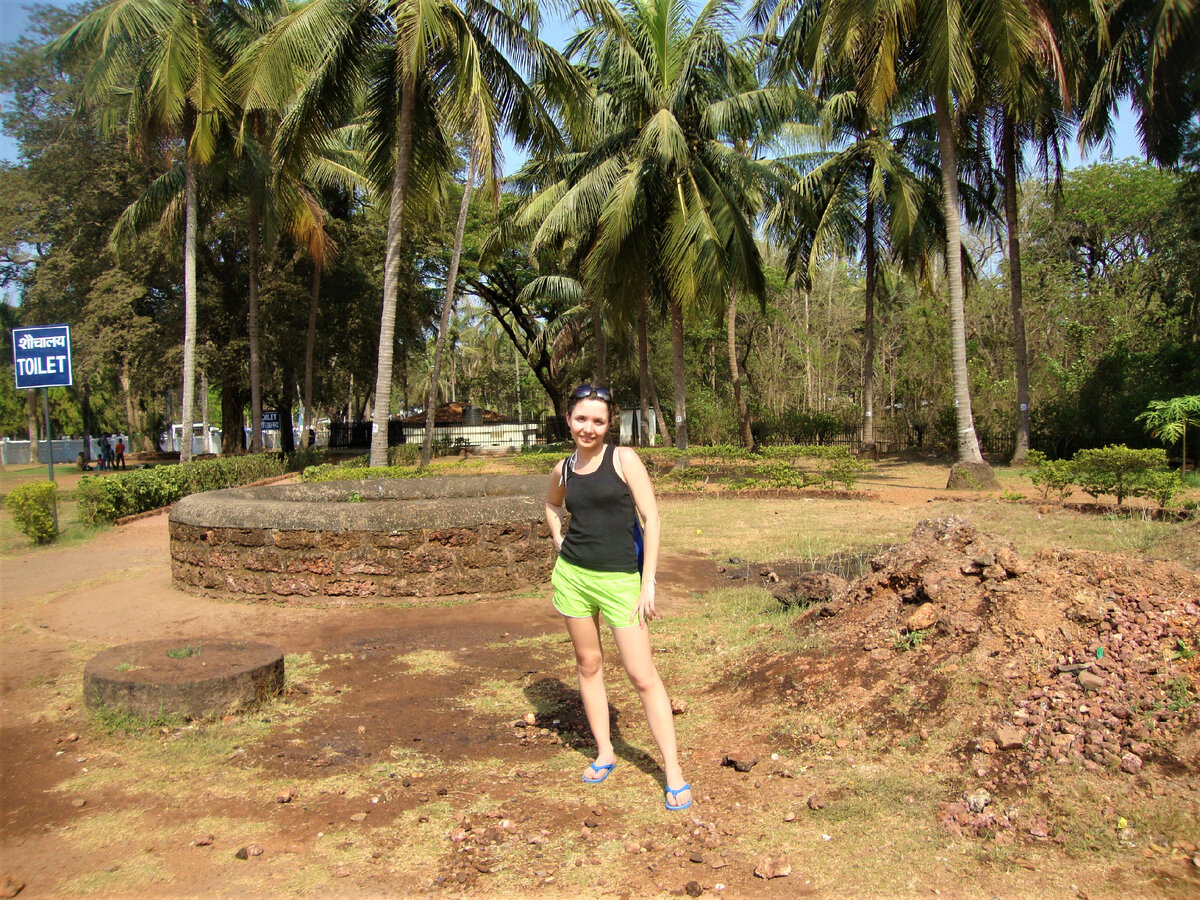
[{"x": 195, "y": 677}]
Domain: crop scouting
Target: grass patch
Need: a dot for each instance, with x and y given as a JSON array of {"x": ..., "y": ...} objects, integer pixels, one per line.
[
  {"x": 127, "y": 876},
  {"x": 428, "y": 662},
  {"x": 803, "y": 528},
  {"x": 502, "y": 697}
]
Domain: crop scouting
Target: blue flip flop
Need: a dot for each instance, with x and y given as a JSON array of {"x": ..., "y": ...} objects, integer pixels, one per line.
[
  {"x": 602, "y": 770},
  {"x": 675, "y": 792}
]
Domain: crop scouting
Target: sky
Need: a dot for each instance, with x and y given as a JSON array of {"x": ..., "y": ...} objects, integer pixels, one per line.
[{"x": 14, "y": 20}]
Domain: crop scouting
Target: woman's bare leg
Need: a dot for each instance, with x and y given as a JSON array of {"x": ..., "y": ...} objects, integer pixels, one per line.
[
  {"x": 634, "y": 644},
  {"x": 589, "y": 663}
]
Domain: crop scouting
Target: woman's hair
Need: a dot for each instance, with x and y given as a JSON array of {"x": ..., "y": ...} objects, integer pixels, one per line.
[{"x": 589, "y": 391}]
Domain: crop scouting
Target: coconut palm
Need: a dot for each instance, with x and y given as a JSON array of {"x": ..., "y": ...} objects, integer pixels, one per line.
[
  {"x": 420, "y": 71},
  {"x": 658, "y": 197},
  {"x": 1145, "y": 51},
  {"x": 1031, "y": 106},
  {"x": 868, "y": 188},
  {"x": 939, "y": 44},
  {"x": 159, "y": 69}
]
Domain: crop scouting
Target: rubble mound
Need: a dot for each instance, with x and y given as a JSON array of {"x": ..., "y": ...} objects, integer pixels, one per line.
[{"x": 1079, "y": 656}]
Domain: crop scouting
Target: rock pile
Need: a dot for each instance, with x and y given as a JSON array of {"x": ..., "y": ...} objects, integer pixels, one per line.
[{"x": 1093, "y": 658}]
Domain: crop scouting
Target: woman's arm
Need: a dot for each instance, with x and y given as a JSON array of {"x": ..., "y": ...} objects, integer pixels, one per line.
[
  {"x": 638, "y": 479},
  {"x": 554, "y": 506}
]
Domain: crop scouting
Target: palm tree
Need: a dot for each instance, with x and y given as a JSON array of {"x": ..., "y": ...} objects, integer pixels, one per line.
[
  {"x": 159, "y": 68},
  {"x": 938, "y": 44},
  {"x": 1146, "y": 51},
  {"x": 422, "y": 70},
  {"x": 658, "y": 196},
  {"x": 447, "y": 309},
  {"x": 1032, "y": 108},
  {"x": 869, "y": 188}
]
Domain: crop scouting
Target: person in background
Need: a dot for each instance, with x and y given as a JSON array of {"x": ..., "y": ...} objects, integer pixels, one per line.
[{"x": 119, "y": 453}]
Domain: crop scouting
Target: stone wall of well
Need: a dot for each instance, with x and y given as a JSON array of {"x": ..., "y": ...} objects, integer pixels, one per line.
[
  {"x": 359, "y": 565},
  {"x": 363, "y": 542}
]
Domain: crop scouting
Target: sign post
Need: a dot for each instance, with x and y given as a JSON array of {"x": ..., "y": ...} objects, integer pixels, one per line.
[{"x": 42, "y": 359}]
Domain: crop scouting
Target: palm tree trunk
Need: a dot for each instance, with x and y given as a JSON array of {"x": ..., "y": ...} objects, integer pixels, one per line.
[
  {"x": 738, "y": 401},
  {"x": 447, "y": 309},
  {"x": 968, "y": 443},
  {"x": 256, "y": 439},
  {"x": 868, "y": 370},
  {"x": 391, "y": 275},
  {"x": 189, "y": 309},
  {"x": 643, "y": 374},
  {"x": 677, "y": 374},
  {"x": 1020, "y": 352},
  {"x": 310, "y": 343}
]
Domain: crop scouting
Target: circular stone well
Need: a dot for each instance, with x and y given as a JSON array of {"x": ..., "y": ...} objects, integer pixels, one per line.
[
  {"x": 363, "y": 541},
  {"x": 195, "y": 678}
]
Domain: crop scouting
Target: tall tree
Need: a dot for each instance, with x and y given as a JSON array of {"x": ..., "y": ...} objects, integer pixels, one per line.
[
  {"x": 447, "y": 309},
  {"x": 660, "y": 185},
  {"x": 422, "y": 70},
  {"x": 158, "y": 69},
  {"x": 940, "y": 44},
  {"x": 867, "y": 188}
]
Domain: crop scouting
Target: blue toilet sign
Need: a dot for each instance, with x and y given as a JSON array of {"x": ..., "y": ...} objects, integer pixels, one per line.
[{"x": 42, "y": 356}]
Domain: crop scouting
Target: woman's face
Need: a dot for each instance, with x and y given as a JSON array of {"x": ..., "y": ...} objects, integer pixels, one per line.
[{"x": 589, "y": 422}]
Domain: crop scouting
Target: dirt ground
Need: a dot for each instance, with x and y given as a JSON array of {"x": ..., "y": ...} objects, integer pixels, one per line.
[{"x": 400, "y": 761}]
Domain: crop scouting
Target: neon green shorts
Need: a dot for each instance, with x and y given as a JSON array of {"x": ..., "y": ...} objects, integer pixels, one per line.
[{"x": 579, "y": 593}]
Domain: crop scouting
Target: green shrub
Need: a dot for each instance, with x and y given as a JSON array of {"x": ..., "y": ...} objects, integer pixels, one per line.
[
  {"x": 1160, "y": 486},
  {"x": 105, "y": 498},
  {"x": 32, "y": 508},
  {"x": 299, "y": 460},
  {"x": 1057, "y": 475},
  {"x": 329, "y": 472},
  {"x": 404, "y": 454},
  {"x": 1118, "y": 470},
  {"x": 845, "y": 470}
]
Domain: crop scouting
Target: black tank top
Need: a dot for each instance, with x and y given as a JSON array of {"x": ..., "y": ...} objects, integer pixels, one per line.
[{"x": 603, "y": 513}]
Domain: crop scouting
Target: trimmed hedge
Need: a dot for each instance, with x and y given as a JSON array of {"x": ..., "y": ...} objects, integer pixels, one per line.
[
  {"x": 32, "y": 508},
  {"x": 106, "y": 498},
  {"x": 329, "y": 472}
]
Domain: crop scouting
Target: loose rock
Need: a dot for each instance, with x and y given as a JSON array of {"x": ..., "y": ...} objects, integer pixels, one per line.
[
  {"x": 772, "y": 867},
  {"x": 926, "y": 616},
  {"x": 740, "y": 761}
]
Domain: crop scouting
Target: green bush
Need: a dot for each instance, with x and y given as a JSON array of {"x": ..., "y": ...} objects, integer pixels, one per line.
[
  {"x": 404, "y": 455},
  {"x": 105, "y": 498},
  {"x": 329, "y": 472},
  {"x": 1057, "y": 475},
  {"x": 32, "y": 508},
  {"x": 300, "y": 459},
  {"x": 1118, "y": 470}
]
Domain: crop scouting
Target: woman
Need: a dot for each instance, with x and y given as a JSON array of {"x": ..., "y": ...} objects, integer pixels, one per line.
[{"x": 606, "y": 489}]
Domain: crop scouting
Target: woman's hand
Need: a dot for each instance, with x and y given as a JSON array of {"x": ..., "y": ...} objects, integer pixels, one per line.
[{"x": 644, "y": 611}]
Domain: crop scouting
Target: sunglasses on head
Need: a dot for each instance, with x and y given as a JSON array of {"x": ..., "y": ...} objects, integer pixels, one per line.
[{"x": 585, "y": 391}]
